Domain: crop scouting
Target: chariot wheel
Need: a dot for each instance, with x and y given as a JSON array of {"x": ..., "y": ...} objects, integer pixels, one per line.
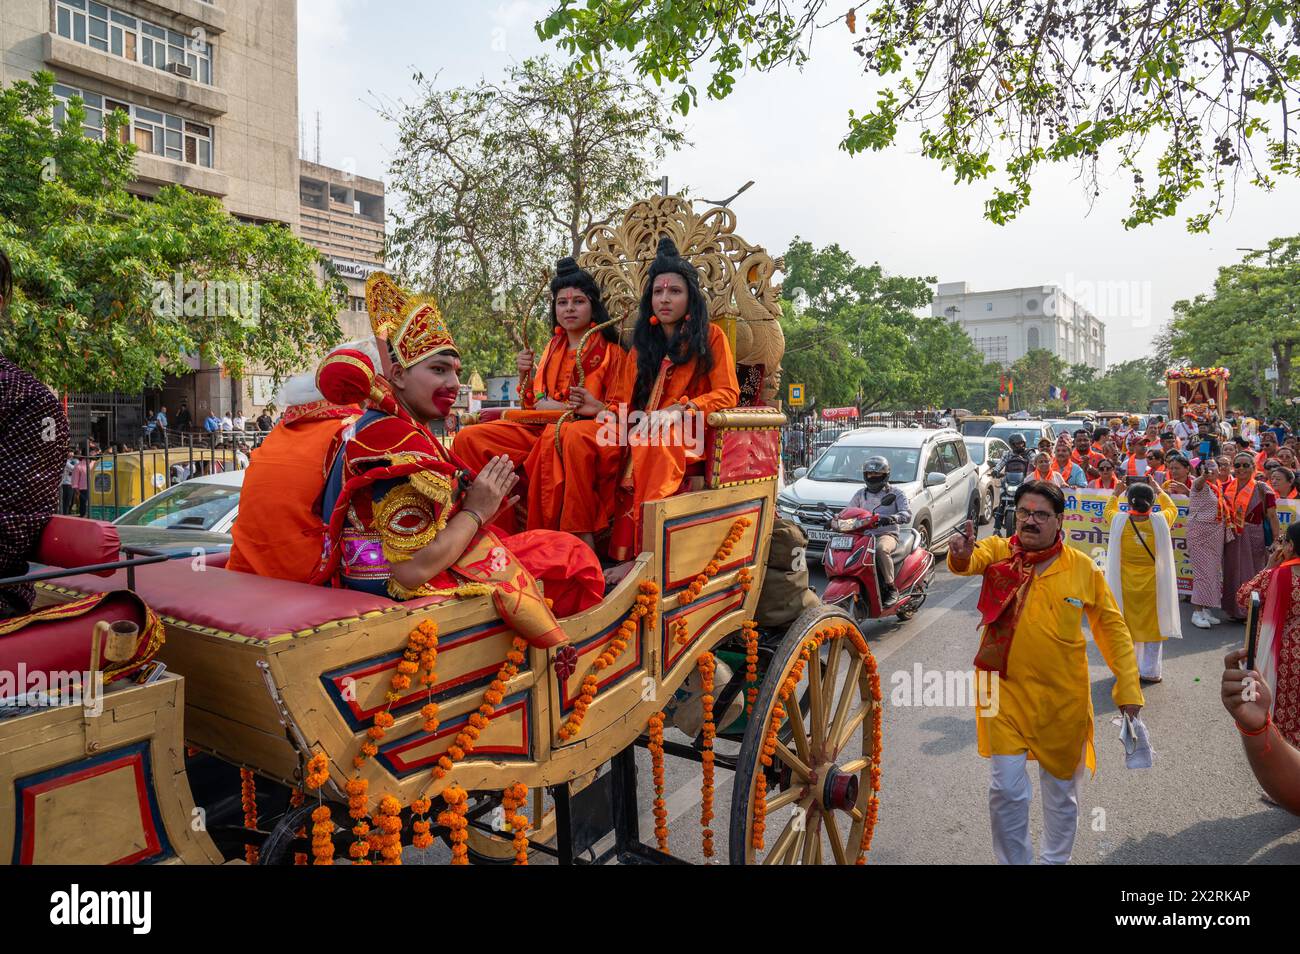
[
  {"x": 818, "y": 797},
  {"x": 493, "y": 848}
]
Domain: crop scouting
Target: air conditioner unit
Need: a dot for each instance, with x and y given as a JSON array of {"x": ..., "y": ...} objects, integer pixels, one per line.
[{"x": 180, "y": 69}]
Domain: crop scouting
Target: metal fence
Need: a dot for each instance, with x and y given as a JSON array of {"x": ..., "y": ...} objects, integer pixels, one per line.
[{"x": 802, "y": 442}]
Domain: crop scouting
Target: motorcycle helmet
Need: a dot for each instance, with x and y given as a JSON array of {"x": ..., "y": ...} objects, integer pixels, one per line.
[
  {"x": 875, "y": 473},
  {"x": 1017, "y": 442}
]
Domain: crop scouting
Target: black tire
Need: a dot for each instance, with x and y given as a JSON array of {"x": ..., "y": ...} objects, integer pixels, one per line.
[
  {"x": 748, "y": 762},
  {"x": 974, "y": 512},
  {"x": 987, "y": 517},
  {"x": 1009, "y": 524},
  {"x": 276, "y": 849},
  {"x": 923, "y": 535}
]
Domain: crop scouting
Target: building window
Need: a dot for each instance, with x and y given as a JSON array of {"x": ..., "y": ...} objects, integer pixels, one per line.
[
  {"x": 154, "y": 132},
  {"x": 1033, "y": 338},
  {"x": 1031, "y": 304},
  {"x": 988, "y": 306},
  {"x": 993, "y": 348},
  {"x": 111, "y": 31}
]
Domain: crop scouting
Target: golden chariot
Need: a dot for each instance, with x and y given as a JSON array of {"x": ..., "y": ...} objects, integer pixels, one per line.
[{"x": 290, "y": 718}]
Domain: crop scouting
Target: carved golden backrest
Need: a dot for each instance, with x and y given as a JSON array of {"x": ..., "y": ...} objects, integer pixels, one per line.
[{"x": 736, "y": 277}]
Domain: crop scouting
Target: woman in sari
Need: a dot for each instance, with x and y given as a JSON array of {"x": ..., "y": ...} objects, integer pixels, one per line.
[
  {"x": 1251, "y": 502},
  {"x": 1277, "y": 656},
  {"x": 1207, "y": 529}
]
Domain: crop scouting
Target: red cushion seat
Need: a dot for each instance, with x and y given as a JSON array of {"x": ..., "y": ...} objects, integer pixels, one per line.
[
  {"x": 258, "y": 607},
  {"x": 63, "y": 645},
  {"x": 74, "y": 541}
]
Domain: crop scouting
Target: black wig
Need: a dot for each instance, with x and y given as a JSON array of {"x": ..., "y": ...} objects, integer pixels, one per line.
[
  {"x": 569, "y": 275},
  {"x": 691, "y": 336}
]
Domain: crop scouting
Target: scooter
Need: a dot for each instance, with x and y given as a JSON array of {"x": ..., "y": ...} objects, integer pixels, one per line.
[
  {"x": 1004, "y": 514},
  {"x": 850, "y": 562}
]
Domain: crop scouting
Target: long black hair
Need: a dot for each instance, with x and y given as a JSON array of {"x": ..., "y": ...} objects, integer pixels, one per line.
[{"x": 690, "y": 340}]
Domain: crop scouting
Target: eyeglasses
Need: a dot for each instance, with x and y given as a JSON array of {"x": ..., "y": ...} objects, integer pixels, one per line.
[
  {"x": 1033, "y": 516},
  {"x": 1243, "y": 466},
  {"x": 1104, "y": 467}
]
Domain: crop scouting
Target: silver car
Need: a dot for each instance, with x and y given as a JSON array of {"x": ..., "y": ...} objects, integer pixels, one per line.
[
  {"x": 932, "y": 467},
  {"x": 986, "y": 452}
]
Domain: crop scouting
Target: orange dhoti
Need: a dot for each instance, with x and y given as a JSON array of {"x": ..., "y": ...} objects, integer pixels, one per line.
[
  {"x": 577, "y": 492},
  {"x": 479, "y": 443}
]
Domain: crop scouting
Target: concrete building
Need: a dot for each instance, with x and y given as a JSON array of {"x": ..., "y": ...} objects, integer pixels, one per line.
[
  {"x": 1007, "y": 323},
  {"x": 211, "y": 90},
  {"x": 342, "y": 214}
]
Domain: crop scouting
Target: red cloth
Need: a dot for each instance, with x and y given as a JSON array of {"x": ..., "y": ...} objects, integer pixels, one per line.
[
  {"x": 1002, "y": 596},
  {"x": 569, "y": 571}
]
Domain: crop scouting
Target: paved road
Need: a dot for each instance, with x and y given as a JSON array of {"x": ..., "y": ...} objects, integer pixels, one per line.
[{"x": 1199, "y": 804}]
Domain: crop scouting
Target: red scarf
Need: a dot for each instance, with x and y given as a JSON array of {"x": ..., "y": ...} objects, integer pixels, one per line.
[{"x": 1002, "y": 597}]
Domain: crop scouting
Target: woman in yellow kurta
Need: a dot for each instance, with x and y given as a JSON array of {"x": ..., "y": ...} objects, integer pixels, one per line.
[
  {"x": 1140, "y": 571},
  {"x": 1036, "y": 592}
]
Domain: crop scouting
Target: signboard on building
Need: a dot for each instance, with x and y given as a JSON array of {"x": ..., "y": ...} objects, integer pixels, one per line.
[
  {"x": 355, "y": 269},
  {"x": 838, "y": 413},
  {"x": 796, "y": 395},
  {"x": 261, "y": 388}
]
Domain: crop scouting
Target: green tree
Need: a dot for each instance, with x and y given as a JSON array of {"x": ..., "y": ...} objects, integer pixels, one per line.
[
  {"x": 853, "y": 336},
  {"x": 95, "y": 266},
  {"x": 498, "y": 180},
  {"x": 1249, "y": 323},
  {"x": 1086, "y": 83},
  {"x": 1034, "y": 374}
]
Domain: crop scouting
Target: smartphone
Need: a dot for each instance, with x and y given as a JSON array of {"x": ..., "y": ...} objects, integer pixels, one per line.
[
  {"x": 1252, "y": 629},
  {"x": 1144, "y": 479}
]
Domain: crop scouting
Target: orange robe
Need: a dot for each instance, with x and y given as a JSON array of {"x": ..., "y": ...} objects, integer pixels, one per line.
[
  {"x": 576, "y": 491},
  {"x": 554, "y": 373},
  {"x": 279, "y": 532}
]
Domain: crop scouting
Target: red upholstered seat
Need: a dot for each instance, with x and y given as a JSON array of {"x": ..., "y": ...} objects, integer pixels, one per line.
[
  {"x": 74, "y": 541},
  {"x": 254, "y": 606},
  {"x": 53, "y": 646}
]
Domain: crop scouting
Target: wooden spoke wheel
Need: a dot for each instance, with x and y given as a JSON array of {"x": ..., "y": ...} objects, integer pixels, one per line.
[{"x": 818, "y": 797}]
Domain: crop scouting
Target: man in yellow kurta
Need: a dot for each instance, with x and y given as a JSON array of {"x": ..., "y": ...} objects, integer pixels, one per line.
[
  {"x": 1140, "y": 571},
  {"x": 1035, "y": 594}
]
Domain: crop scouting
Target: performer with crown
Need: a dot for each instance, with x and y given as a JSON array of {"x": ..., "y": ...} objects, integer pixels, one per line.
[
  {"x": 405, "y": 517},
  {"x": 553, "y": 385},
  {"x": 680, "y": 365}
]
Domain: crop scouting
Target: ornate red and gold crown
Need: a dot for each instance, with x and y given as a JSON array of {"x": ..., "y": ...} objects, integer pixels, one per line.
[{"x": 414, "y": 327}]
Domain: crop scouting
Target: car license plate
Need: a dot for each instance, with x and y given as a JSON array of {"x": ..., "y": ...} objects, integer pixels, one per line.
[
  {"x": 820, "y": 535},
  {"x": 841, "y": 543}
]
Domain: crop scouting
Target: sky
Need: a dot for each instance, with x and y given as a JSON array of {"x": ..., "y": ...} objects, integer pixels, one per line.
[{"x": 782, "y": 130}]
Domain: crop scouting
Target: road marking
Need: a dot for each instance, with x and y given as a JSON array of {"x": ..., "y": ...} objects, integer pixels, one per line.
[{"x": 948, "y": 605}]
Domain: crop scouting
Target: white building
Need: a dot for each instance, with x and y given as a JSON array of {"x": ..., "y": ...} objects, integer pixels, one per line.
[{"x": 1007, "y": 323}]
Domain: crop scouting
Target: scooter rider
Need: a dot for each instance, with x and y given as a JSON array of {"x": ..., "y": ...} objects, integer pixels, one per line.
[
  {"x": 1018, "y": 462},
  {"x": 898, "y": 512}
]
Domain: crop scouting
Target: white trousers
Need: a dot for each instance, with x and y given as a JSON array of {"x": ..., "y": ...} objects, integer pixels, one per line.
[
  {"x": 1009, "y": 795},
  {"x": 1149, "y": 658}
]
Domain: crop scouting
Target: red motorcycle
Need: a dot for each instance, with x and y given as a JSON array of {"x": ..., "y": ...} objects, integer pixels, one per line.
[{"x": 850, "y": 562}]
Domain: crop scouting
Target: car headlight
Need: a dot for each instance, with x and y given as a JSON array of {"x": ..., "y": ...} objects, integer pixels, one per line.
[{"x": 785, "y": 506}]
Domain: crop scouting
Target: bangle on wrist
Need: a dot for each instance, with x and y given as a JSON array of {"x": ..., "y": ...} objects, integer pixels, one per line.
[
  {"x": 470, "y": 513},
  {"x": 1268, "y": 721}
]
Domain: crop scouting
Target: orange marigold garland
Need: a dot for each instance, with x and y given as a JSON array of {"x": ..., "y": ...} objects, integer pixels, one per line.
[
  {"x": 712, "y": 567},
  {"x": 512, "y": 800},
  {"x": 707, "y": 666},
  {"x": 322, "y": 836},
  {"x": 358, "y": 810},
  {"x": 421, "y": 651},
  {"x": 454, "y": 820},
  {"x": 478, "y": 721},
  {"x": 617, "y": 646},
  {"x": 655, "y": 730},
  {"x": 248, "y": 797},
  {"x": 296, "y": 799},
  {"x": 746, "y": 579},
  {"x": 749, "y": 629},
  {"x": 420, "y": 823},
  {"x": 388, "y": 839}
]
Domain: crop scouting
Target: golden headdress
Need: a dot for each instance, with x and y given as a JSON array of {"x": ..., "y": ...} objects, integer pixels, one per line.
[{"x": 411, "y": 326}]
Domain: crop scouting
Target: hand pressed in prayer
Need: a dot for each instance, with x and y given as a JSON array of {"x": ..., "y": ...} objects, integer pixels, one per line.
[{"x": 490, "y": 487}]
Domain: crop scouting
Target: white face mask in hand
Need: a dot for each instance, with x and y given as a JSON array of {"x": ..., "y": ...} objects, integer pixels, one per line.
[{"x": 1136, "y": 739}]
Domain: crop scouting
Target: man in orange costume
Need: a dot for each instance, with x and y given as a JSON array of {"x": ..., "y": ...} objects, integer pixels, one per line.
[
  {"x": 679, "y": 370},
  {"x": 280, "y": 532},
  {"x": 576, "y": 307},
  {"x": 405, "y": 517}
]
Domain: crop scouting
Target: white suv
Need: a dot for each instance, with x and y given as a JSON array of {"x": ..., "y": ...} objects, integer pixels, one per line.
[{"x": 931, "y": 466}]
